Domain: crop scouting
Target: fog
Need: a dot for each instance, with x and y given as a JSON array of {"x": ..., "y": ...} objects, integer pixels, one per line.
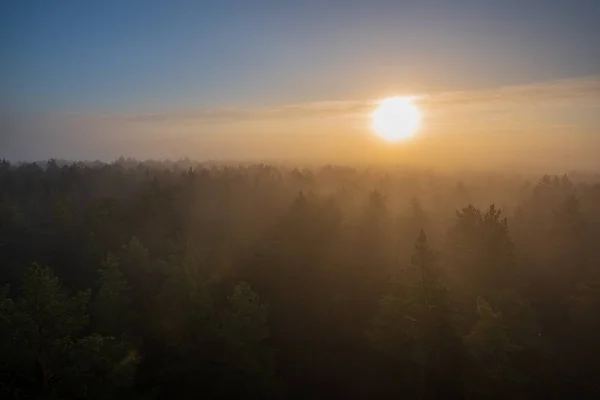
[{"x": 164, "y": 279}]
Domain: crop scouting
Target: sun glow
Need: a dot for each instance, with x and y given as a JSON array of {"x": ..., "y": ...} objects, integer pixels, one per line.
[{"x": 396, "y": 118}]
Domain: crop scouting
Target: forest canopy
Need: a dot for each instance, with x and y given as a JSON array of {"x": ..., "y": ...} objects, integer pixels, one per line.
[{"x": 160, "y": 280}]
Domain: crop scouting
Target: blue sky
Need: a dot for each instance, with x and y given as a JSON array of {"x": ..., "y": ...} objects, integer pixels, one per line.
[{"x": 157, "y": 55}]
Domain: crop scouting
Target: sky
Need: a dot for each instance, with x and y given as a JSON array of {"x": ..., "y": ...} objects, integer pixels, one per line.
[{"x": 263, "y": 79}]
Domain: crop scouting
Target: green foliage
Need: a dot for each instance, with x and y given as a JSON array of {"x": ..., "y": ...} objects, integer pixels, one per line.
[
  {"x": 257, "y": 281},
  {"x": 489, "y": 345},
  {"x": 243, "y": 328},
  {"x": 43, "y": 330},
  {"x": 244, "y": 313},
  {"x": 111, "y": 306},
  {"x": 229, "y": 343},
  {"x": 488, "y": 340},
  {"x": 100, "y": 367},
  {"x": 45, "y": 313},
  {"x": 134, "y": 255},
  {"x": 405, "y": 314},
  {"x": 186, "y": 303},
  {"x": 414, "y": 322}
]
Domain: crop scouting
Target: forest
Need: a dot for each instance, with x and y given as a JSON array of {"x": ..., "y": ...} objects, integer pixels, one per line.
[{"x": 181, "y": 280}]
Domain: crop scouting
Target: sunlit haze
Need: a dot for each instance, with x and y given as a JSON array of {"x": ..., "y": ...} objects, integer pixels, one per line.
[
  {"x": 299, "y": 199},
  {"x": 497, "y": 84}
]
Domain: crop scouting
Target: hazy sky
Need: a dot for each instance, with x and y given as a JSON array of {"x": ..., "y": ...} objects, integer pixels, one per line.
[{"x": 252, "y": 79}]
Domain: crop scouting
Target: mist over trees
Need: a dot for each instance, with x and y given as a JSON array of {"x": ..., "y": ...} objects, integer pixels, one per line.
[{"x": 160, "y": 280}]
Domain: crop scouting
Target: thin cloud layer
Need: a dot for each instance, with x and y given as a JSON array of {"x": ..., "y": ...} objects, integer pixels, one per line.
[
  {"x": 585, "y": 90},
  {"x": 508, "y": 109}
]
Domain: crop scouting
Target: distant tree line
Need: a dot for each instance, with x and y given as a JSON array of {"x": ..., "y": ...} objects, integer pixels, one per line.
[{"x": 181, "y": 280}]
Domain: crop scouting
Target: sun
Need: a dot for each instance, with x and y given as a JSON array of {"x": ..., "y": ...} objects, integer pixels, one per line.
[{"x": 396, "y": 118}]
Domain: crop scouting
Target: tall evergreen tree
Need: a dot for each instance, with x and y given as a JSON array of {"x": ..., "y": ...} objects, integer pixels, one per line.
[
  {"x": 44, "y": 328},
  {"x": 490, "y": 347},
  {"x": 414, "y": 322},
  {"x": 111, "y": 305}
]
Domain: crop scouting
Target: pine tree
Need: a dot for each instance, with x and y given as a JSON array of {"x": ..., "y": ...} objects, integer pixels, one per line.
[
  {"x": 490, "y": 347},
  {"x": 415, "y": 322},
  {"x": 111, "y": 306},
  {"x": 44, "y": 327},
  {"x": 482, "y": 253},
  {"x": 245, "y": 332},
  {"x": 224, "y": 344}
]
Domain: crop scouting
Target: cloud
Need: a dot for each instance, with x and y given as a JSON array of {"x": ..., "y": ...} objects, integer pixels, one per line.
[
  {"x": 91, "y": 135},
  {"x": 537, "y": 94},
  {"x": 587, "y": 88},
  {"x": 226, "y": 115}
]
